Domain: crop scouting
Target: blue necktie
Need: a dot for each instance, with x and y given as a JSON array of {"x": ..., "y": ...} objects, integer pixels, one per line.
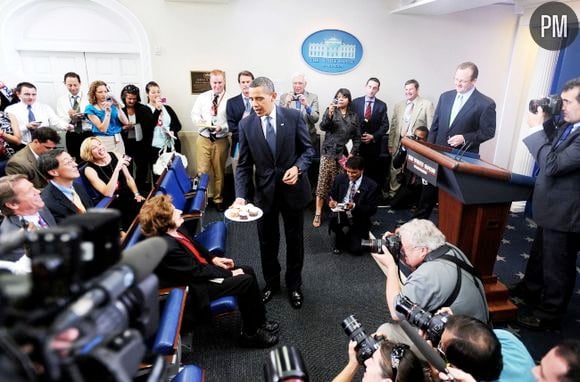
[
  {"x": 247, "y": 102},
  {"x": 270, "y": 136},
  {"x": 31, "y": 117},
  {"x": 564, "y": 135}
]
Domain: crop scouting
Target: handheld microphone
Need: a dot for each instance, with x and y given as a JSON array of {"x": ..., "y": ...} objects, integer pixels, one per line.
[
  {"x": 137, "y": 263},
  {"x": 430, "y": 355}
]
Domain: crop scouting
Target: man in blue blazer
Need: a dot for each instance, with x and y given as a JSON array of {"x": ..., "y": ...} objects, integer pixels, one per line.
[
  {"x": 374, "y": 131},
  {"x": 275, "y": 146},
  {"x": 551, "y": 270},
  {"x": 464, "y": 117},
  {"x": 239, "y": 107}
]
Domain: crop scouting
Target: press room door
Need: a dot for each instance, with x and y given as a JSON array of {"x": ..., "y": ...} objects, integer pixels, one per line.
[{"x": 46, "y": 70}]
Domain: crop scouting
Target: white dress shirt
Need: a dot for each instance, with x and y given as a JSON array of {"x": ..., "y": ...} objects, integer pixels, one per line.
[
  {"x": 66, "y": 102},
  {"x": 42, "y": 112},
  {"x": 202, "y": 112}
]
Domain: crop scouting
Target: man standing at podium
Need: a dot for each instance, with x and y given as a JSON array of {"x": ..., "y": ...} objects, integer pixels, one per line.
[
  {"x": 464, "y": 119},
  {"x": 551, "y": 271}
]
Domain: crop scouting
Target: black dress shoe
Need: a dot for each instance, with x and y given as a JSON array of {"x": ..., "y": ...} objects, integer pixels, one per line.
[
  {"x": 529, "y": 321},
  {"x": 337, "y": 251},
  {"x": 220, "y": 207},
  {"x": 271, "y": 326},
  {"x": 296, "y": 298},
  {"x": 519, "y": 291},
  {"x": 268, "y": 292},
  {"x": 261, "y": 339}
]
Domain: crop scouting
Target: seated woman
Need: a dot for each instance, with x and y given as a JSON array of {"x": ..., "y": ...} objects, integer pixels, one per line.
[
  {"x": 340, "y": 124},
  {"x": 208, "y": 277},
  {"x": 108, "y": 174}
]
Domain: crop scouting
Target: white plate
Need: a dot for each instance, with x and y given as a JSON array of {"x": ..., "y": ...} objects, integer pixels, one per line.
[{"x": 249, "y": 219}]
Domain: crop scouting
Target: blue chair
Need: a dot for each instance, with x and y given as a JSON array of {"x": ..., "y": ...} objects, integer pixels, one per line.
[{"x": 190, "y": 373}]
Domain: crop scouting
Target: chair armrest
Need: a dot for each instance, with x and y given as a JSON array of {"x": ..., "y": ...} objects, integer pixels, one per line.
[
  {"x": 105, "y": 202},
  {"x": 190, "y": 373},
  {"x": 167, "y": 336},
  {"x": 203, "y": 182}
]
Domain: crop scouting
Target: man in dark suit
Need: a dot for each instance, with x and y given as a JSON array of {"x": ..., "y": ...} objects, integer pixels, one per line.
[
  {"x": 374, "y": 129},
  {"x": 275, "y": 141},
  {"x": 25, "y": 161},
  {"x": 464, "y": 117},
  {"x": 62, "y": 196},
  {"x": 550, "y": 275},
  {"x": 360, "y": 197},
  {"x": 238, "y": 107},
  {"x": 23, "y": 209}
]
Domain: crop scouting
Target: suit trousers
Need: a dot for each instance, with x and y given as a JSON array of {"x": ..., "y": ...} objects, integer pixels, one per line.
[
  {"x": 551, "y": 271},
  {"x": 269, "y": 236},
  {"x": 245, "y": 288},
  {"x": 211, "y": 157}
]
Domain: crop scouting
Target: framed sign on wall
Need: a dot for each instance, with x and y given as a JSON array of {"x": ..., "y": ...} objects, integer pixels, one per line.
[{"x": 199, "y": 82}]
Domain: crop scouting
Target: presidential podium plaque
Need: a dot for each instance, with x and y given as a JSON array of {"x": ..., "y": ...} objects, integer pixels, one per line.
[{"x": 474, "y": 201}]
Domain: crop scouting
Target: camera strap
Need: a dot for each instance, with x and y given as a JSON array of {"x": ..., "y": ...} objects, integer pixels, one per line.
[{"x": 441, "y": 253}]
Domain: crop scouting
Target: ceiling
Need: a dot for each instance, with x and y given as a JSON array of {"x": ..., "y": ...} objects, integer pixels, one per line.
[{"x": 444, "y": 7}]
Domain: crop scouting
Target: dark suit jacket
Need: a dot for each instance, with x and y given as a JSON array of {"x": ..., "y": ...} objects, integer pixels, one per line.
[
  {"x": 235, "y": 111},
  {"x": 378, "y": 125},
  {"x": 12, "y": 224},
  {"x": 556, "y": 198},
  {"x": 366, "y": 200},
  {"x": 293, "y": 149},
  {"x": 475, "y": 121},
  {"x": 59, "y": 205},
  {"x": 24, "y": 162}
]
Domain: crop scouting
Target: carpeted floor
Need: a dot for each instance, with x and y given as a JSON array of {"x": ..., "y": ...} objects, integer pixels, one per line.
[{"x": 335, "y": 287}]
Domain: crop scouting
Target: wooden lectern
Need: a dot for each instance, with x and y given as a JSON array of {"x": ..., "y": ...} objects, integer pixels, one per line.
[{"x": 474, "y": 202}]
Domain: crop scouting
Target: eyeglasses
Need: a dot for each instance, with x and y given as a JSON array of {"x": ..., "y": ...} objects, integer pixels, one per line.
[
  {"x": 46, "y": 146},
  {"x": 69, "y": 162},
  {"x": 131, "y": 89},
  {"x": 441, "y": 351},
  {"x": 397, "y": 355}
]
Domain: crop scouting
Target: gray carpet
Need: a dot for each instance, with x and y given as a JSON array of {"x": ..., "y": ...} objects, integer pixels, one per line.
[{"x": 334, "y": 287}]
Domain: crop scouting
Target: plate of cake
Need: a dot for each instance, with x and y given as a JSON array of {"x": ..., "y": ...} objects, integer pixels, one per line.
[{"x": 245, "y": 213}]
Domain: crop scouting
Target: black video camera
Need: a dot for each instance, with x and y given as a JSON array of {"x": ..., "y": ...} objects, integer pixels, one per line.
[
  {"x": 432, "y": 325},
  {"x": 392, "y": 242},
  {"x": 551, "y": 104},
  {"x": 365, "y": 345}
]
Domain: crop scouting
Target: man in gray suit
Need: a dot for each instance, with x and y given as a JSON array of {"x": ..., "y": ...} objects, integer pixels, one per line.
[
  {"x": 551, "y": 270},
  {"x": 307, "y": 104},
  {"x": 409, "y": 114},
  {"x": 26, "y": 160},
  {"x": 23, "y": 209}
]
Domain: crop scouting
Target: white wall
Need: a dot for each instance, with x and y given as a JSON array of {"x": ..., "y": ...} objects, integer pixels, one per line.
[{"x": 265, "y": 37}]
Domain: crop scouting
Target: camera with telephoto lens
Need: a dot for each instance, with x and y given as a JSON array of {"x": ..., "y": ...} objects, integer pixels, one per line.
[
  {"x": 285, "y": 364},
  {"x": 365, "y": 345},
  {"x": 432, "y": 325},
  {"x": 392, "y": 242},
  {"x": 551, "y": 104}
]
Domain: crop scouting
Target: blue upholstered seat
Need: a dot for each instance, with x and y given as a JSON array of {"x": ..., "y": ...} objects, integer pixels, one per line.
[
  {"x": 190, "y": 373},
  {"x": 169, "y": 323}
]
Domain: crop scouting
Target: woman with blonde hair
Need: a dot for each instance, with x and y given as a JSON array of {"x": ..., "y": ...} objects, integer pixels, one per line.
[{"x": 108, "y": 174}]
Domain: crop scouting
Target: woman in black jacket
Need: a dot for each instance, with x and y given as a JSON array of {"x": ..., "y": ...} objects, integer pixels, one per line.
[{"x": 208, "y": 277}]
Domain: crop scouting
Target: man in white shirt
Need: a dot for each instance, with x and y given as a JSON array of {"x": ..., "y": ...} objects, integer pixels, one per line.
[
  {"x": 31, "y": 114},
  {"x": 209, "y": 117},
  {"x": 70, "y": 107}
]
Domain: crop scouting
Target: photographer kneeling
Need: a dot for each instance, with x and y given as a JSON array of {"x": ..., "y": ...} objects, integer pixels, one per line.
[{"x": 441, "y": 277}]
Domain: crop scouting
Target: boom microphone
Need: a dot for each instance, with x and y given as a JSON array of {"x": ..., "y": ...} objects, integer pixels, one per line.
[
  {"x": 431, "y": 355},
  {"x": 137, "y": 263}
]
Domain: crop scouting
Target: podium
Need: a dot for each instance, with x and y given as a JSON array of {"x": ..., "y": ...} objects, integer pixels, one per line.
[{"x": 474, "y": 201}]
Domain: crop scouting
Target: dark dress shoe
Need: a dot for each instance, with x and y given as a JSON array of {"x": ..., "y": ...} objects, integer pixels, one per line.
[
  {"x": 519, "y": 291},
  {"x": 220, "y": 207},
  {"x": 268, "y": 293},
  {"x": 296, "y": 298},
  {"x": 529, "y": 321},
  {"x": 261, "y": 339},
  {"x": 271, "y": 326},
  {"x": 336, "y": 251}
]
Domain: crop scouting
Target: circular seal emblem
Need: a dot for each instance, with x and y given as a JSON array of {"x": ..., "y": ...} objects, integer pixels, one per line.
[
  {"x": 332, "y": 51},
  {"x": 554, "y": 25}
]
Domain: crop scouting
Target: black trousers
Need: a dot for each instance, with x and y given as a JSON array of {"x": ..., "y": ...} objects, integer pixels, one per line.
[
  {"x": 551, "y": 271},
  {"x": 269, "y": 236},
  {"x": 245, "y": 288},
  {"x": 348, "y": 234}
]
